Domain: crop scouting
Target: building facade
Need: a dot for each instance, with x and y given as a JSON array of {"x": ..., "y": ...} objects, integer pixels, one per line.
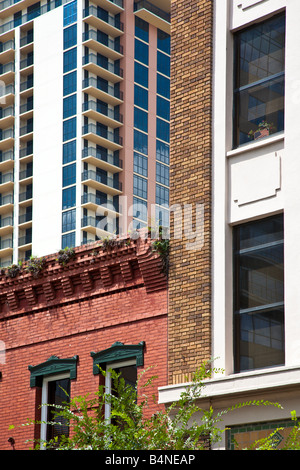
[
  {"x": 85, "y": 102},
  {"x": 107, "y": 306},
  {"x": 234, "y": 102}
]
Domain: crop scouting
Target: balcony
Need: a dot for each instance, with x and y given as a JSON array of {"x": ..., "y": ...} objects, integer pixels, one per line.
[
  {"x": 105, "y": 184},
  {"x": 26, "y": 43},
  {"x": 114, "y": 6},
  {"x": 7, "y": 51},
  {"x": 104, "y": 138},
  {"x": 7, "y": 117},
  {"x": 153, "y": 13},
  {"x": 6, "y": 204},
  {"x": 25, "y": 198},
  {"x": 26, "y": 153},
  {"x": 26, "y": 65},
  {"x": 25, "y": 242},
  {"x": 6, "y": 226},
  {"x": 7, "y": 94},
  {"x": 26, "y": 132},
  {"x": 107, "y": 116},
  {"x": 93, "y": 225},
  {"x": 109, "y": 162},
  {"x": 25, "y": 176},
  {"x": 6, "y": 139},
  {"x": 91, "y": 202},
  {"x": 6, "y": 160},
  {"x": 109, "y": 24},
  {"x": 6, "y": 247},
  {"x": 6, "y": 182},
  {"x": 26, "y": 88},
  {"x": 111, "y": 49},
  {"x": 7, "y": 72},
  {"x": 26, "y": 110},
  {"x": 111, "y": 72},
  {"x": 107, "y": 93},
  {"x": 25, "y": 221}
]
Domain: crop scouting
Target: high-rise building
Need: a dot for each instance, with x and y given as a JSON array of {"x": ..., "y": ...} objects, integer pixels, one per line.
[{"x": 84, "y": 118}]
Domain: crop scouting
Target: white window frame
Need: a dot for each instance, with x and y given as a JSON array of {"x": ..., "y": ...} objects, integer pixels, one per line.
[{"x": 109, "y": 367}]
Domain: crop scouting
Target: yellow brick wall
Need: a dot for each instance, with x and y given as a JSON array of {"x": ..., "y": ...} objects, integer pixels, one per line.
[{"x": 190, "y": 183}]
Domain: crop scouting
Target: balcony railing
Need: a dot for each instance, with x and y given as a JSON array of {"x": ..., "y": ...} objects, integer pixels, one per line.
[
  {"x": 93, "y": 199},
  {"x": 6, "y": 244},
  {"x": 25, "y": 195},
  {"x": 6, "y": 178},
  {"x": 7, "y": 90},
  {"x": 153, "y": 9},
  {"x": 26, "y": 39},
  {"x": 10, "y": 67},
  {"x": 6, "y": 46},
  {"x": 25, "y": 218},
  {"x": 26, "y": 62},
  {"x": 106, "y": 180},
  {"x": 111, "y": 43},
  {"x": 26, "y": 107},
  {"x": 109, "y": 89},
  {"x": 25, "y": 174},
  {"x": 6, "y": 222},
  {"x": 26, "y": 129},
  {"x": 26, "y": 85},
  {"x": 93, "y": 129},
  {"x": 8, "y": 199},
  {"x": 111, "y": 159},
  {"x": 110, "y": 113},
  {"x": 94, "y": 59},
  {"x": 6, "y": 112},
  {"x": 5, "y": 156},
  {"x": 109, "y": 19},
  {"x": 6, "y": 134},
  {"x": 25, "y": 240}
]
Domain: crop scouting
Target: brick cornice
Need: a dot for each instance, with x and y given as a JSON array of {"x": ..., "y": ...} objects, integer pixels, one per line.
[{"x": 95, "y": 269}]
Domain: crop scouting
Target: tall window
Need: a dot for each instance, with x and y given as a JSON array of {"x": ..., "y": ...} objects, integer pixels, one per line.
[
  {"x": 55, "y": 391},
  {"x": 259, "y": 294},
  {"x": 259, "y": 81}
]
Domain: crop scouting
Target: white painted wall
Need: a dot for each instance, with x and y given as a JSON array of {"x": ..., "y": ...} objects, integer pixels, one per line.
[{"x": 47, "y": 163}]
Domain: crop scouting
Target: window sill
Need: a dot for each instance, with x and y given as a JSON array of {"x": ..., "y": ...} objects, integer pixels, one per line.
[
  {"x": 245, "y": 382},
  {"x": 256, "y": 145}
]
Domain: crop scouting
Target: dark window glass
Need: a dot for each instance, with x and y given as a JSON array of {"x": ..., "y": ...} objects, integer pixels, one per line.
[
  {"x": 58, "y": 394},
  {"x": 69, "y": 106},
  {"x": 140, "y": 119},
  {"x": 70, "y": 60},
  {"x": 163, "y": 42},
  {"x": 162, "y": 174},
  {"x": 141, "y": 97},
  {"x": 141, "y": 52},
  {"x": 69, "y": 197},
  {"x": 162, "y": 152},
  {"x": 140, "y": 209},
  {"x": 140, "y": 142},
  {"x": 70, "y": 13},
  {"x": 33, "y": 11},
  {"x": 17, "y": 18},
  {"x": 141, "y": 29},
  {"x": 69, "y": 174},
  {"x": 259, "y": 81},
  {"x": 163, "y": 86},
  {"x": 162, "y": 130},
  {"x": 69, "y": 152},
  {"x": 161, "y": 195},
  {"x": 141, "y": 74},
  {"x": 68, "y": 240},
  {"x": 139, "y": 186},
  {"x": 70, "y": 36},
  {"x": 69, "y": 129},
  {"x": 140, "y": 164},
  {"x": 69, "y": 220},
  {"x": 70, "y": 83},
  {"x": 163, "y": 63},
  {"x": 259, "y": 294},
  {"x": 163, "y": 108}
]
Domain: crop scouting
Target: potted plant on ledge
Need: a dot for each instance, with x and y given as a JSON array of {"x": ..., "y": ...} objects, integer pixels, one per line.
[{"x": 264, "y": 129}]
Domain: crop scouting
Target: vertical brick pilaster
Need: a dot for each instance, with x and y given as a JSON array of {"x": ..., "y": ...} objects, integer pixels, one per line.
[{"x": 190, "y": 172}]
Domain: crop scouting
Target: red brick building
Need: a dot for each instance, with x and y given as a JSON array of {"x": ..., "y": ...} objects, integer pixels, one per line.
[{"x": 106, "y": 305}]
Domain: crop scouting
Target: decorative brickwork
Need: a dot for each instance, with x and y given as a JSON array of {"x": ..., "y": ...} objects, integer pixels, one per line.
[
  {"x": 101, "y": 297},
  {"x": 190, "y": 173}
]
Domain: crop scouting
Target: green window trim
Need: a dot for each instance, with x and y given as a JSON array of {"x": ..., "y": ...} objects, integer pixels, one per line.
[
  {"x": 52, "y": 366},
  {"x": 118, "y": 352}
]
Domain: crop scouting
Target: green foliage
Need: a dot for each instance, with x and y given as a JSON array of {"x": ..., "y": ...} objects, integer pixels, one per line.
[
  {"x": 35, "y": 266},
  {"x": 182, "y": 426},
  {"x": 65, "y": 255}
]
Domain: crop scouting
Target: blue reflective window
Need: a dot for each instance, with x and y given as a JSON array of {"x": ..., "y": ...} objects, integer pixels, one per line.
[
  {"x": 163, "y": 42},
  {"x": 70, "y": 83},
  {"x": 69, "y": 152},
  {"x": 141, "y": 29},
  {"x": 70, "y": 60},
  {"x": 140, "y": 142},
  {"x": 141, "y": 52},
  {"x": 69, "y": 197},
  {"x": 162, "y": 195},
  {"x": 139, "y": 186},
  {"x": 70, "y": 36},
  {"x": 69, "y": 174},
  {"x": 163, "y": 86},
  {"x": 69, "y": 106},
  {"x": 162, "y": 174},
  {"x": 140, "y": 97},
  {"x": 140, "y": 209},
  {"x": 162, "y": 130},
  {"x": 163, "y": 63},
  {"x": 69, "y": 129},
  {"x": 140, "y": 164},
  {"x": 69, "y": 220},
  {"x": 141, "y": 74},
  {"x": 163, "y": 108},
  {"x": 70, "y": 13},
  {"x": 68, "y": 240},
  {"x": 162, "y": 152},
  {"x": 140, "y": 119}
]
